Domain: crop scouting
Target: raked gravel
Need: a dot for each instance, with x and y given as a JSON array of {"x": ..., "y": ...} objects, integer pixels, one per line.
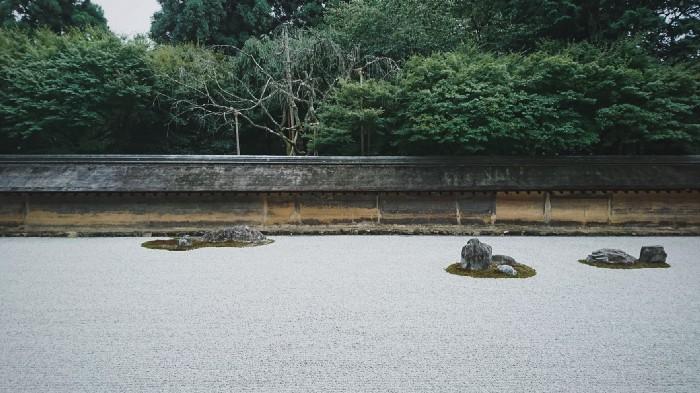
[{"x": 344, "y": 314}]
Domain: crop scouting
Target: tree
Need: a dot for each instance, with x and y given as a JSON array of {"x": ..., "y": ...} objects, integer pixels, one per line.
[
  {"x": 396, "y": 28},
  {"x": 357, "y": 118},
  {"x": 473, "y": 103},
  {"x": 275, "y": 85},
  {"x": 229, "y": 22},
  {"x": 192, "y": 132},
  {"x": 580, "y": 100},
  {"x": 57, "y": 15},
  {"x": 667, "y": 27},
  {"x": 80, "y": 92}
]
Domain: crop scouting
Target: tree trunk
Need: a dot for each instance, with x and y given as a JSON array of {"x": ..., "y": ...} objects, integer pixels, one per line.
[
  {"x": 291, "y": 105},
  {"x": 238, "y": 139}
]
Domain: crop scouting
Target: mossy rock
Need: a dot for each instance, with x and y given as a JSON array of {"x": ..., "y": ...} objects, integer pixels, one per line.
[
  {"x": 636, "y": 265},
  {"x": 171, "y": 245},
  {"x": 524, "y": 271}
]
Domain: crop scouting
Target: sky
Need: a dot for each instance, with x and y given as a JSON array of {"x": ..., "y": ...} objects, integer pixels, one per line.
[{"x": 128, "y": 17}]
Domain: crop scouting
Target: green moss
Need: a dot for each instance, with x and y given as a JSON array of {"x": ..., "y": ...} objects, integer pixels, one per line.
[
  {"x": 524, "y": 271},
  {"x": 637, "y": 265},
  {"x": 171, "y": 245}
]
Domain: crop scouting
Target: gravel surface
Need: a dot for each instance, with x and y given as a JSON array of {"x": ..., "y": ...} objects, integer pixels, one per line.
[{"x": 344, "y": 314}]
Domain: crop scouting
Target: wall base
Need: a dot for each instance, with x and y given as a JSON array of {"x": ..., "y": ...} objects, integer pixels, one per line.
[{"x": 313, "y": 230}]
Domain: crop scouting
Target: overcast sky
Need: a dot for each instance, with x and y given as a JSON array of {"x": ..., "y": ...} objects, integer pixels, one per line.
[{"x": 128, "y": 16}]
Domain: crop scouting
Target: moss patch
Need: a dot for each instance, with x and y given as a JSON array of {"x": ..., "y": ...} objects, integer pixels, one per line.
[
  {"x": 637, "y": 265},
  {"x": 524, "y": 271},
  {"x": 171, "y": 245}
]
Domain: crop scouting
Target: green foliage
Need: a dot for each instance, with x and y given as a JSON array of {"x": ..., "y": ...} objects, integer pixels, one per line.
[
  {"x": 475, "y": 103},
  {"x": 396, "y": 28},
  {"x": 532, "y": 77},
  {"x": 79, "y": 92},
  {"x": 639, "y": 104},
  {"x": 229, "y": 22},
  {"x": 274, "y": 84},
  {"x": 581, "y": 100},
  {"x": 355, "y": 119},
  {"x": 546, "y": 104},
  {"x": 667, "y": 27},
  {"x": 179, "y": 70},
  {"x": 401, "y": 28},
  {"x": 57, "y": 15}
]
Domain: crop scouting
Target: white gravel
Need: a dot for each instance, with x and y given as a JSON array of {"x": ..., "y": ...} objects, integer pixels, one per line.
[{"x": 344, "y": 314}]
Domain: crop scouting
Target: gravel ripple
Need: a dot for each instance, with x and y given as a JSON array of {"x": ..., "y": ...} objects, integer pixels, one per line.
[{"x": 344, "y": 314}]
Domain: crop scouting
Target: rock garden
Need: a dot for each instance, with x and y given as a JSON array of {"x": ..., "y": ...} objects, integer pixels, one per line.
[
  {"x": 238, "y": 236},
  {"x": 478, "y": 261}
]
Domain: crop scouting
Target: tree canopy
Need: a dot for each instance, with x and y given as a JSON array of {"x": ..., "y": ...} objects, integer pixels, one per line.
[
  {"x": 229, "y": 22},
  {"x": 578, "y": 101},
  {"x": 669, "y": 27},
  {"x": 447, "y": 77},
  {"x": 57, "y": 15},
  {"x": 74, "y": 92}
]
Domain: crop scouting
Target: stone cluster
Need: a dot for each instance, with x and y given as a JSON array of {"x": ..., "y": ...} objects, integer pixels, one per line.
[
  {"x": 236, "y": 233},
  {"x": 477, "y": 256},
  {"x": 239, "y": 233},
  {"x": 648, "y": 254}
]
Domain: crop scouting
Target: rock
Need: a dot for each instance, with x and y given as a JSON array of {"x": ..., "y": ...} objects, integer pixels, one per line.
[
  {"x": 652, "y": 254},
  {"x": 476, "y": 255},
  {"x": 503, "y": 260},
  {"x": 184, "y": 242},
  {"x": 610, "y": 255},
  {"x": 237, "y": 233},
  {"x": 507, "y": 269}
]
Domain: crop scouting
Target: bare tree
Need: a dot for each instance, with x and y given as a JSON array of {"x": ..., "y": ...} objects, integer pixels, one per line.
[{"x": 275, "y": 84}]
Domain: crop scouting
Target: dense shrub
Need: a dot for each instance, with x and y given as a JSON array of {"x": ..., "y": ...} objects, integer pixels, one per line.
[
  {"x": 397, "y": 28},
  {"x": 579, "y": 101},
  {"x": 357, "y": 118},
  {"x": 79, "y": 92}
]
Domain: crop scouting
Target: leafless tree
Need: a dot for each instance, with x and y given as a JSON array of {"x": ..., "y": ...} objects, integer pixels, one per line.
[{"x": 275, "y": 84}]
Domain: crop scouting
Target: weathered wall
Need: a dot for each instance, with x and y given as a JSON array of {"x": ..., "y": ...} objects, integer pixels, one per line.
[
  {"x": 164, "y": 194},
  {"x": 344, "y": 174},
  {"x": 172, "y": 212}
]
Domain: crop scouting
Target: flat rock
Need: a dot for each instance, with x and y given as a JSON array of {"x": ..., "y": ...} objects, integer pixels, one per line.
[
  {"x": 476, "y": 255},
  {"x": 612, "y": 256},
  {"x": 507, "y": 269},
  {"x": 503, "y": 260},
  {"x": 652, "y": 254}
]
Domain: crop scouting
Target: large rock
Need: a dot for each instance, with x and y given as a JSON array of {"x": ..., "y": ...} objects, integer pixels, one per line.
[
  {"x": 612, "y": 256},
  {"x": 652, "y": 254},
  {"x": 476, "y": 255},
  {"x": 507, "y": 269},
  {"x": 503, "y": 260},
  {"x": 237, "y": 233}
]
